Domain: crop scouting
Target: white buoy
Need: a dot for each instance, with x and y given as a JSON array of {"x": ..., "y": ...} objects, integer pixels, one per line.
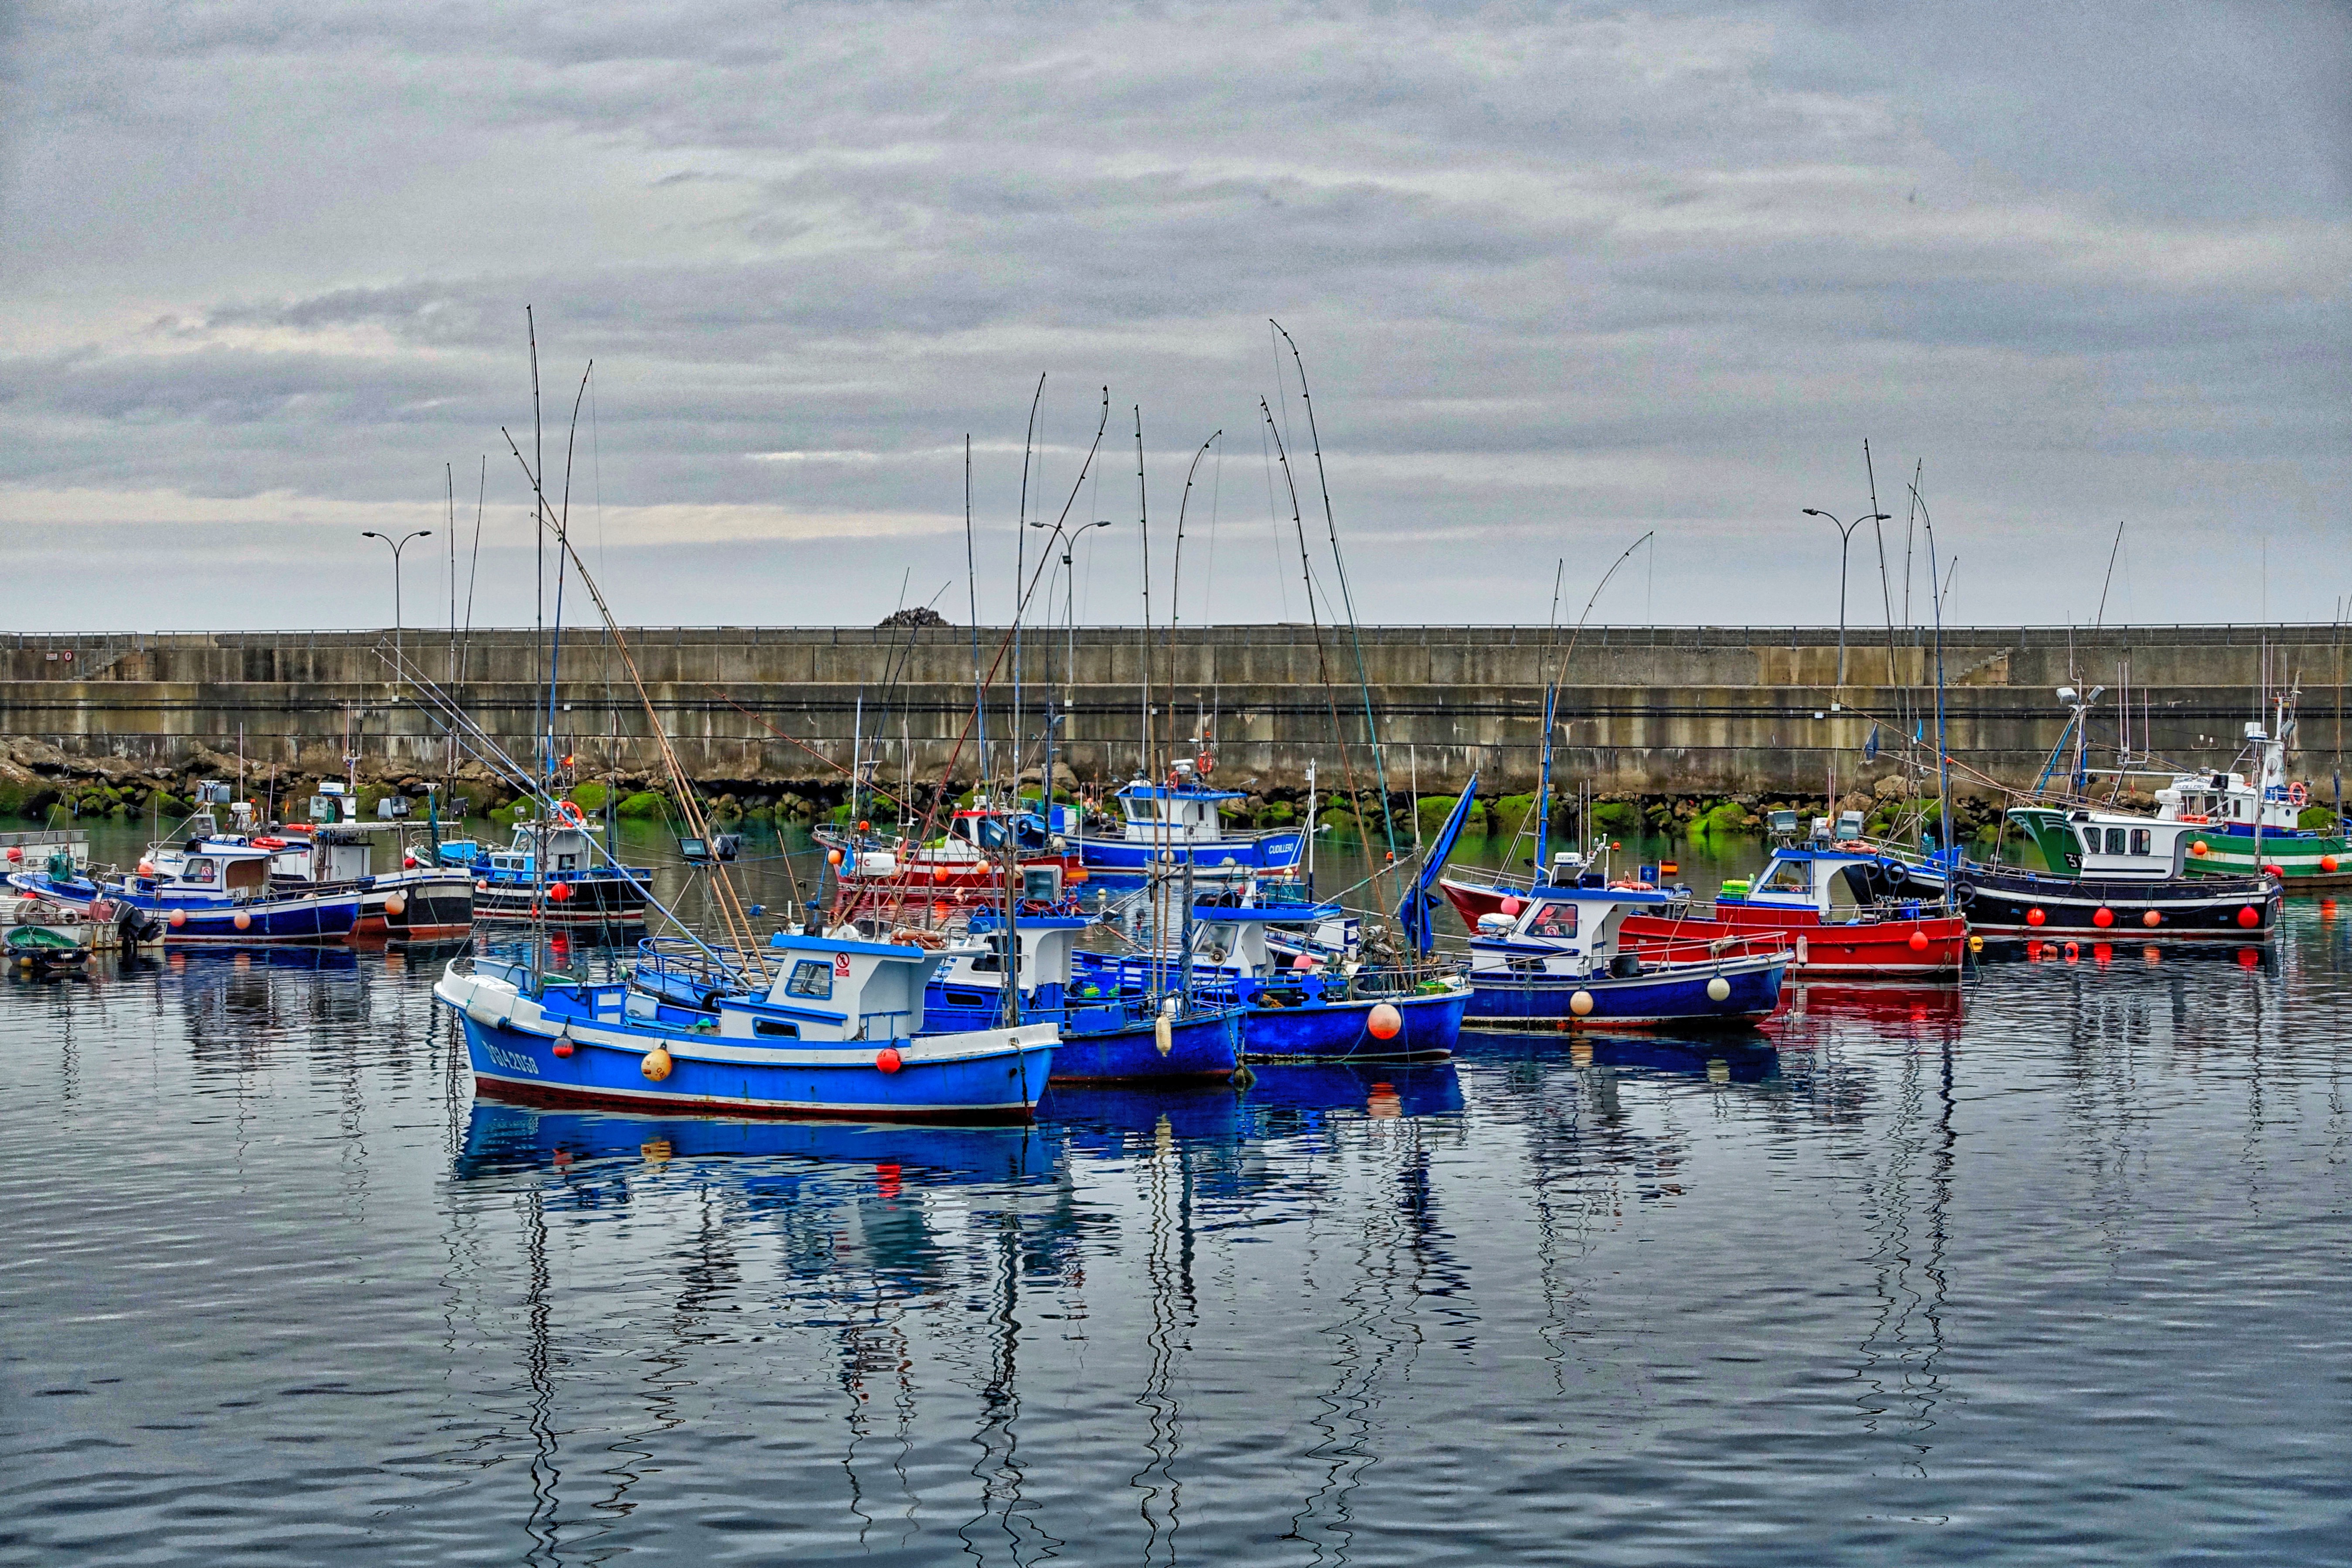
[{"x": 1718, "y": 989}]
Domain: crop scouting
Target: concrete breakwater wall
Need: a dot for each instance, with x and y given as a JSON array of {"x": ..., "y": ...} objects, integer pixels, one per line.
[{"x": 1641, "y": 713}]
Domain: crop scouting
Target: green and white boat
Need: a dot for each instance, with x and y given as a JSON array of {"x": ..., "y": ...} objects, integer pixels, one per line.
[{"x": 2248, "y": 824}]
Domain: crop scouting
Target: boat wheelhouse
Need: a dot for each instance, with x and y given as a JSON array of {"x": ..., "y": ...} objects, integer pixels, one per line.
[
  {"x": 1181, "y": 822},
  {"x": 2249, "y": 824},
  {"x": 967, "y": 858}
]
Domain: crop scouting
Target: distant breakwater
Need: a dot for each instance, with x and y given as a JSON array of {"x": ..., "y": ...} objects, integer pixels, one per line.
[{"x": 1675, "y": 721}]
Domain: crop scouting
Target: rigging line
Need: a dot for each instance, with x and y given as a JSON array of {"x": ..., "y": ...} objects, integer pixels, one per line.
[
  {"x": 1346, "y": 596},
  {"x": 474, "y": 569},
  {"x": 955, "y": 754},
  {"x": 2101, "y": 618},
  {"x": 1274, "y": 523},
  {"x": 1020, "y": 560},
  {"x": 1322, "y": 663},
  {"x": 724, "y": 696},
  {"x": 1208, "y": 579},
  {"x": 563, "y": 534},
  {"x": 1878, "y": 531},
  {"x": 971, "y": 582},
  {"x": 731, "y": 907}
]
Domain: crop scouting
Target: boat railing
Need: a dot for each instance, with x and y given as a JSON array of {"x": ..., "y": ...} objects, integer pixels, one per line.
[
  {"x": 706, "y": 965},
  {"x": 1699, "y": 949}
]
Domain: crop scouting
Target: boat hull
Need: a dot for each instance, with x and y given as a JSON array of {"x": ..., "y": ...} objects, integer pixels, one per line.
[
  {"x": 2307, "y": 862},
  {"x": 2003, "y": 904},
  {"x": 1210, "y": 859},
  {"x": 518, "y": 1065},
  {"x": 1863, "y": 948},
  {"x": 1676, "y": 996},
  {"x": 306, "y": 917},
  {"x": 594, "y": 900},
  {"x": 1430, "y": 1027}
]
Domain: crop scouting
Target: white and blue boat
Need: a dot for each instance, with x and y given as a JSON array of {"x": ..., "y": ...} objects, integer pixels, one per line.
[
  {"x": 1338, "y": 1011},
  {"x": 839, "y": 1032},
  {"x": 1556, "y": 964},
  {"x": 581, "y": 884},
  {"x": 207, "y": 889},
  {"x": 1175, "y": 823},
  {"x": 1110, "y": 1033}
]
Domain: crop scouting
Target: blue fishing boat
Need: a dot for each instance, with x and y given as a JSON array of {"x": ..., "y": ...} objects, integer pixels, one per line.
[
  {"x": 581, "y": 884},
  {"x": 1556, "y": 964},
  {"x": 206, "y": 889},
  {"x": 1327, "y": 1011},
  {"x": 837, "y": 1033},
  {"x": 1173, "y": 824},
  {"x": 1110, "y": 1034}
]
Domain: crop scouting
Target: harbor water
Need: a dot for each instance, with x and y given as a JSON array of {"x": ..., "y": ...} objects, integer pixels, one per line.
[{"x": 2047, "y": 1268}]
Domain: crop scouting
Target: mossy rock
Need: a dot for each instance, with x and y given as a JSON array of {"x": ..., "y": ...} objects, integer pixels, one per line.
[
  {"x": 1509, "y": 815},
  {"x": 1722, "y": 819},
  {"x": 590, "y": 797},
  {"x": 1277, "y": 813},
  {"x": 644, "y": 803},
  {"x": 1623, "y": 816},
  {"x": 2316, "y": 819}
]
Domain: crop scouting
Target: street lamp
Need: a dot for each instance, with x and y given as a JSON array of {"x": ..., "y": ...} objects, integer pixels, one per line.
[
  {"x": 396, "y": 547},
  {"x": 1846, "y": 533}
]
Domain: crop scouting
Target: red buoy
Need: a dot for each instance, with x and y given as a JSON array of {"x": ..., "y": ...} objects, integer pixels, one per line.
[
  {"x": 1512, "y": 906},
  {"x": 2073, "y": 952},
  {"x": 2327, "y": 864},
  {"x": 2103, "y": 916},
  {"x": 179, "y": 918},
  {"x": 2151, "y": 919},
  {"x": 562, "y": 1045},
  {"x": 1918, "y": 942},
  {"x": 1384, "y": 1023},
  {"x": 2278, "y": 871},
  {"x": 559, "y": 892},
  {"x": 2249, "y": 917},
  {"x": 2035, "y": 917},
  {"x": 887, "y": 1059}
]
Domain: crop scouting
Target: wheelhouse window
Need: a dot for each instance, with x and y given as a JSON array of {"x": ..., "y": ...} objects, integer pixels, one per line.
[
  {"x": 775, "y": 1029},
  {"x": 2090, "y": 841},
  {"x": 1555, "y": 919},
  {"x": 2143, "y": 841},
  {"x": 812, "y": 978},
  {"x": 199, "y": 870},
  {"x": 1787, "y": 876}
]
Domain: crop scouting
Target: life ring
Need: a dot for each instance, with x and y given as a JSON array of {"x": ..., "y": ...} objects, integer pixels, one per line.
[
  {"x": 269, "y": 843},
  {"x": 1205, "y": 765},
  {"x": 570, "y": 815},
  {"x": 2298, "y": 795}
]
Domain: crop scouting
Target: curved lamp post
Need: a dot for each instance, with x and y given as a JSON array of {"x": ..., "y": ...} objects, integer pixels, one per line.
[
  {"x": 396, "y": 547},
  {"x": 1845, "y": 534}
]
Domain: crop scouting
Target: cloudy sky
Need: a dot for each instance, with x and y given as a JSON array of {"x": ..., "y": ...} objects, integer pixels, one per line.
[{"x": 1559, "y": 274}]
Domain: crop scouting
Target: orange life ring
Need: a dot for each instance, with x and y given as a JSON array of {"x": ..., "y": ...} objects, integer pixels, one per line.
[
  {"x": 2298, "y": 795},
  {"x": 269, "y": 843},
  {"x": 570, "y": 815}
]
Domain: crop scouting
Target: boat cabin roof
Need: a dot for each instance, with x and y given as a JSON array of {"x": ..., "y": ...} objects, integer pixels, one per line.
[
  {"x": 843, "y": 989},
  {"x": 1140, "y": 790}
]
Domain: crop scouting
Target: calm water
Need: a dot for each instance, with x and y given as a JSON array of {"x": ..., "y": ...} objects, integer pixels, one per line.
[{"x": 2053, "y": 1270}]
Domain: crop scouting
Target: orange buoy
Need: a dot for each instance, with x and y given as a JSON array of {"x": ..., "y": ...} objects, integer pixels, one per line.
[
  {"x": 2151, "y": 919},
  {"x": 395, "y": 905},
  {"x": 833, "y": 857},
  {"x": 657, "y": 1064},
  {"x": 865, "y": 827},
  {"x": 2198, "y": 847},
  {"x": 241, "y": 921},
  {"x": 888, "y": 1058},
  {"x": 1303, "y": 961},
  {"x": 2074, "y": 950},
  {"x": 179, "y": 918},
  {"x": 2249, "y": 917},
  {"x": 1580, "y": 1003},
  {"x": 481, "y": 885},
  {"x": 2327, "y": 863},
  {"x": 1384, "y": 1022},
  {"x": 2035, "y": 917},
  {"x": 146, "y": 867},
  {"x": 2103, "y": 916},
  {"x": 1918, "y": 942}
]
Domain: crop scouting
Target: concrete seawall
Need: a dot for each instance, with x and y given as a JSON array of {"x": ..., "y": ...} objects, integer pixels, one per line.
[{"x": 1642, "y": 711}]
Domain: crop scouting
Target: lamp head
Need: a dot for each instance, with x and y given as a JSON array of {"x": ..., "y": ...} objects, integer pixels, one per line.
[
  {"x": 370, "y": 533},
  {"x": 2066, "y": 694},
  {"x": 1811, "y": 512},
  {"x": 1880, "y": 517}
]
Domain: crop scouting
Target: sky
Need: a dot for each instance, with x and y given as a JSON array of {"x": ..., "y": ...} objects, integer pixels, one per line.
[{"x": 1557, "y": 276}]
